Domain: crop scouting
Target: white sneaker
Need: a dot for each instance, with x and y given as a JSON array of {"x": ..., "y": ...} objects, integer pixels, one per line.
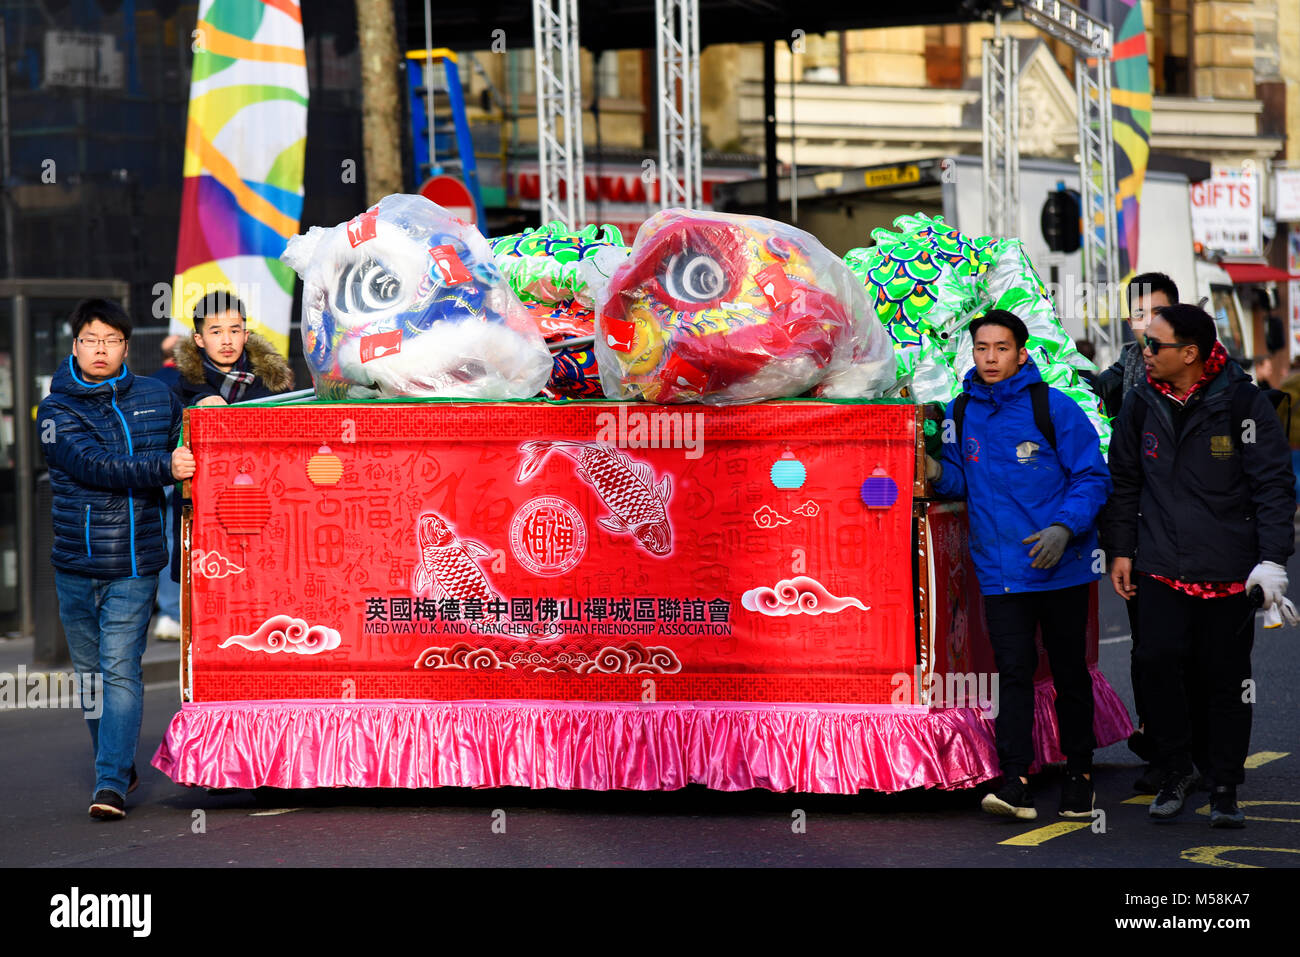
[{"x": 166, "y": 628}]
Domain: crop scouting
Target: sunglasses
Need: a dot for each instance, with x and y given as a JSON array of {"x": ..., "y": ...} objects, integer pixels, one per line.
[{"x": 1155, "y": 345}]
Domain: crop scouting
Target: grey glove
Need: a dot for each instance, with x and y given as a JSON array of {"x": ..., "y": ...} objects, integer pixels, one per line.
[
  {"x": 1051, "y": 545},
  {"x": 933, "y": 468}
]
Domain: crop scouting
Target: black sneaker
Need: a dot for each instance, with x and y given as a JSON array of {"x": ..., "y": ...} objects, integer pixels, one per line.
[
  {"x": 1149, "y": 783},
  {"x": 1076, "y": 796},
  {"x": 107, "y": 806},
  {"x": 1011, "y": 800},
  {"x": 1169, "y": 800},
  {"x": 1140, "y": 745},
  {"x": 1223, "y": 808}
]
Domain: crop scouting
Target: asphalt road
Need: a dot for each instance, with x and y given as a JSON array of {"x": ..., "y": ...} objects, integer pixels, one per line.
[{"x": 46, "y": 764}]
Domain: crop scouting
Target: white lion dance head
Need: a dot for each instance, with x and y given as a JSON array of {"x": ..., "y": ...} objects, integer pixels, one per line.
[{"x": 407, "y": 300}]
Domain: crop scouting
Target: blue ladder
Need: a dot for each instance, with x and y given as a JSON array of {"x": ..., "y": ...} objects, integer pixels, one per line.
[{"x": 443, "y": 129}]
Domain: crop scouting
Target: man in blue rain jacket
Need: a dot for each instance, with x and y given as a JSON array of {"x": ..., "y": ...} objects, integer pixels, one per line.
[
  {"x": 1028, "y": 462},
  {"x": 109, "y": 438}
]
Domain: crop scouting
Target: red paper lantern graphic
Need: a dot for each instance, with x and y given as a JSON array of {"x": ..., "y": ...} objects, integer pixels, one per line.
[
  {"x": 243, "y": 508},
  {"x": 324, "y": 468},
  {"x": 879, "y": 491}
]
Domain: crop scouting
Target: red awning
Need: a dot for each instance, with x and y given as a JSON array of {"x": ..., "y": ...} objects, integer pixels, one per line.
[{"x": 1246, "y": 273}]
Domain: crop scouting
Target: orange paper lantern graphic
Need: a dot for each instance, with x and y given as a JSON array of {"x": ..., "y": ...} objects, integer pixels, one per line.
[
  {"x": 324, "y": 468},
  {"x": 243, "y": 508}
]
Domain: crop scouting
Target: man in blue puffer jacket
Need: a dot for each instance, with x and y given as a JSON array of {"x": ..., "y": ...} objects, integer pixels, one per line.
[
  {"x": 110, "y": 441},
  {"x": 1034, "y": 480}
]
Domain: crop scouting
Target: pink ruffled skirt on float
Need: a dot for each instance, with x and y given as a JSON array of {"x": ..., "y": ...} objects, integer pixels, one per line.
[{"x": 833, "y": 749}]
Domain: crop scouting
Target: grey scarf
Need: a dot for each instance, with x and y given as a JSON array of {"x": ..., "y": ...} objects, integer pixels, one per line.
[{"x": 1135, "y": 370}]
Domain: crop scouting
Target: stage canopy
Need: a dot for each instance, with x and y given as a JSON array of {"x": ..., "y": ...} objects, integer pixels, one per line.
[{"x": 629, "y": 24}]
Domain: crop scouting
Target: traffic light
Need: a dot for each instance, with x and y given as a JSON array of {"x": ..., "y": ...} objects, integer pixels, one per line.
[{"x": 1060, "y": 220}]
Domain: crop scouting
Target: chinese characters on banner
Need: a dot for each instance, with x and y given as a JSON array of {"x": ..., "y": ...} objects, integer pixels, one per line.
[{"x": 435, "y": 550}]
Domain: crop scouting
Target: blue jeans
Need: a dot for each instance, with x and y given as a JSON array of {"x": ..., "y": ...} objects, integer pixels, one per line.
[
  {"x": 169, "y": 592},
  {"x": 107, "y": 625}
]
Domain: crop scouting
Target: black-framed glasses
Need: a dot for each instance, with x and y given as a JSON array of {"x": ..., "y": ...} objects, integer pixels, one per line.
[
  {"x": 1155, "y": 345},
  {"x": 112, "y": 342}
]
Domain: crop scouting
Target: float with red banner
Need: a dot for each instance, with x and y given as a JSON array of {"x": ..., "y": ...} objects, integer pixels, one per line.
[{"x": 464, "y": 591}]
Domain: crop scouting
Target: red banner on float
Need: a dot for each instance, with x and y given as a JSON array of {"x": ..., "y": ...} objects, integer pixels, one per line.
[{"x": 575, "y": 551}]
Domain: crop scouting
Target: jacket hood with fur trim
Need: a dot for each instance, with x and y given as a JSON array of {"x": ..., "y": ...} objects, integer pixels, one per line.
[{"x": 263, "y": 361}]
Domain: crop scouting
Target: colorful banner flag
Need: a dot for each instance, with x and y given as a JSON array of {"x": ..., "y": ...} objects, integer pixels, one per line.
[
  {"x": 244, "y": 149},
  {"x": 1131, "y": 126}
]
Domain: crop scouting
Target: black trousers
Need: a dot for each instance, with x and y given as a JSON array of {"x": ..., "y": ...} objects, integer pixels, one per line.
[
  {"x": 1062, "y": 616},
  {"x": 1194, "y": 660}
]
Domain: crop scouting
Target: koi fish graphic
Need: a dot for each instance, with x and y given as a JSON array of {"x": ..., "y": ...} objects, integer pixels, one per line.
[
  {"x": 449, "y": 564},
  {"x": 627, "y": 487}
]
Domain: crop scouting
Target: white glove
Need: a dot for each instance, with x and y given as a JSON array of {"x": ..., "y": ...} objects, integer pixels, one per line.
[
  {"x": 933, "y": 468},
  {"x": 1271, "y": 577},
  {"x": 1282, "y": 612}
]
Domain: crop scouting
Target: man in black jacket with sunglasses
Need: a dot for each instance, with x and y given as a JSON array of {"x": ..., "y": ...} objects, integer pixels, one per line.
[{"x": 1201, "y": 514}]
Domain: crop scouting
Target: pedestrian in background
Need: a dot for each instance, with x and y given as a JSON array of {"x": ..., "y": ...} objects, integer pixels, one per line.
[
  {"x": 1145, "y": 293},
  {"x": 167, "y": 621}
]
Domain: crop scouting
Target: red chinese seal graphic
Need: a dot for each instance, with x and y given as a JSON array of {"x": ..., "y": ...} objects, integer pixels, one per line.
[{"x": 548, "y": 536}]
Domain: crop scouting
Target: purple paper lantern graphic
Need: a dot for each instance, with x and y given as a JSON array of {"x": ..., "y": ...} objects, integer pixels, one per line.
[{"x": 879, "y": 491}]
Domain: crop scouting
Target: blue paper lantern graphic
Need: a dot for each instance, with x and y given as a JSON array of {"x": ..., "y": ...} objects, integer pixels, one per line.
[
  {"x": 788, "y": 472},
  {"x": 879, "y": 491}
]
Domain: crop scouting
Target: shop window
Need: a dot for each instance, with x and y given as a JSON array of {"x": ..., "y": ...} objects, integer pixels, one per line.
[
  {"x": 1171, "y": 48},
  {"x": 944, "y": 57}
]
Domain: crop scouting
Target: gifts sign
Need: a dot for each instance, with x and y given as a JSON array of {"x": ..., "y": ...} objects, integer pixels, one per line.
[{"x": 577, "y": 551}]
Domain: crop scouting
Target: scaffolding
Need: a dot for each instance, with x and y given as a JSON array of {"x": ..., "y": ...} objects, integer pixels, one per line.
[
  {"x": 1092, "y": 42},
  {"x": 1001, "y": 61},
  {"x": 559, "y": 112},
  {"x": 677, "y": 44}
]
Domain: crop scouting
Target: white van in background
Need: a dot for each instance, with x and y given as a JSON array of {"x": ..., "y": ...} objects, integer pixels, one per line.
[{"x": 1165, "y": 244}]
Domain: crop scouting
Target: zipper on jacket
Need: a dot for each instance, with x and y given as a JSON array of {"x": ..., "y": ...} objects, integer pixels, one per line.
[
  {"x": 130, "y": 496},
  {"x": 87, "y": 531}
]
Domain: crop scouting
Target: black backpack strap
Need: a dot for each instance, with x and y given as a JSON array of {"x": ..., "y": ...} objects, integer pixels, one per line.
[
  {"x": 959, "y": 415},
  {"x": 1040, "y": 394}
]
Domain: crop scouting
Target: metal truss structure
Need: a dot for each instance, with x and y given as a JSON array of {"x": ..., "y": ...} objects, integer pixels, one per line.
[
  {"x": 1001, "y": 135},
  {"x": 559, "y": 112},
  {"x": 677, "y": 44},
  {"x": 1092, "y": 42}
]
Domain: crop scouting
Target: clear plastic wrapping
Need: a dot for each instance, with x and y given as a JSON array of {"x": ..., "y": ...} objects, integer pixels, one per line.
[
  {"x": 725, "y": 309},
  {"x": 407, "y": 300}
]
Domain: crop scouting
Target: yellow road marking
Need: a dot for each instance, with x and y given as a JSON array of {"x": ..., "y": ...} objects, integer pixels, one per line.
[
  {"x": 1210, "y": 855},
  {"x": 1141, "y": 799},
  {"x": 1260, "y": 758},
  {"x": 1040, "y": 835}
]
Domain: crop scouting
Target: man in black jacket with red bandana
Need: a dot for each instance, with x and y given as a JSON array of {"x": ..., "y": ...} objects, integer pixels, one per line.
[{"x": 1201, "y": 514}]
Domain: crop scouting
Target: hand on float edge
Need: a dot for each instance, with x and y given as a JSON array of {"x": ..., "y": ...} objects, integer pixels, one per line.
[
  {"x": 933, "y": 468},
  {"x": 1051, "y": 545},
  {"x": 182, "y": 463}
]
